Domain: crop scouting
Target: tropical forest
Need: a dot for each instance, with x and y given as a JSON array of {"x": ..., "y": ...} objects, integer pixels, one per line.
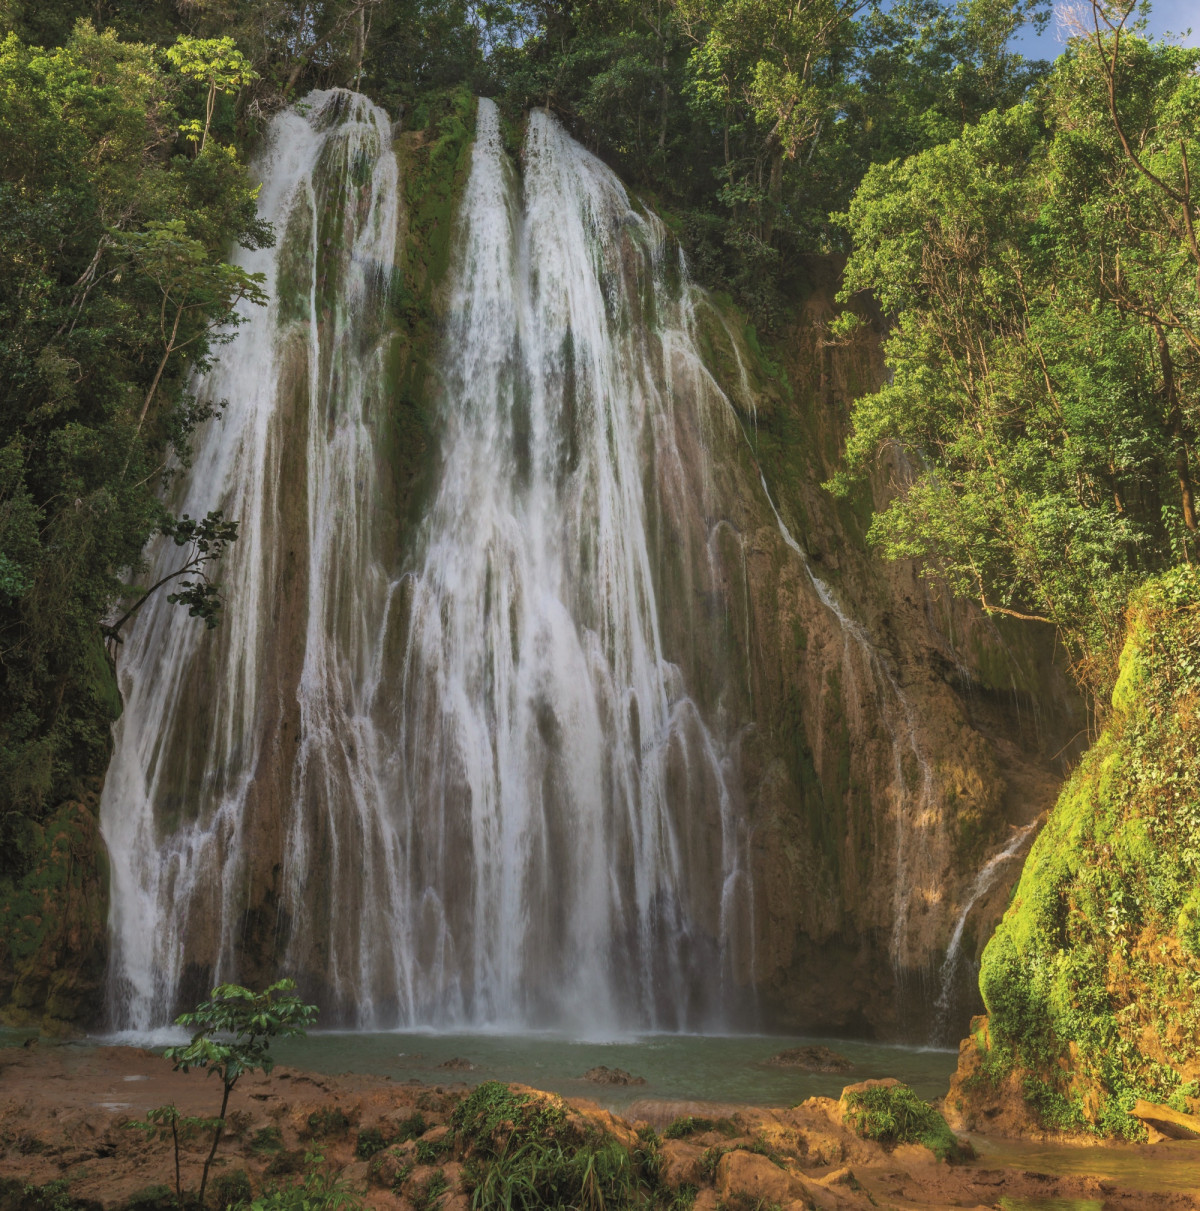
[{"x": 599, "y": 605}]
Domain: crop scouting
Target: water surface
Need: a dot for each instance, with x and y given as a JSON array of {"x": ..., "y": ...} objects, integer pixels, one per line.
[{"x": 684, "y": 1067}]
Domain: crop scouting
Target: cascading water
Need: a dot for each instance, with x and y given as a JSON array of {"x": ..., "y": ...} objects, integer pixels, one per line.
[
  {"x": 187, "y": 792},
  {"x": 456, "y": 779}
]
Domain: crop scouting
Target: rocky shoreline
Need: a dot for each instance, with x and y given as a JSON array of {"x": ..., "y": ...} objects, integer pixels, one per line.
[{"x": 65, "y": 1115}]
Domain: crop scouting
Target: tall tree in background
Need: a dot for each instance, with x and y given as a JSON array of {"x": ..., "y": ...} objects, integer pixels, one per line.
[
  {"x": 113, "y": 279},
  {"x": 1039, "y": 273}
]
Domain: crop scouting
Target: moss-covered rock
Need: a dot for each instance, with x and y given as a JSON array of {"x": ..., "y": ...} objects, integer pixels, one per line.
[
  {"x": 53, "y": 925},
  {"x": 1091, "y": 980}
]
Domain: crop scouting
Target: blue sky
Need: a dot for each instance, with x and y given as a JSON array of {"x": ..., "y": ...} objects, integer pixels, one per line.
[{"x": 1173, "y": 16}]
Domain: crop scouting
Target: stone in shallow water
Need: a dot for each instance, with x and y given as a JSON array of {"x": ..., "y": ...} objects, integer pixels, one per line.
[
  {"x": 811, "y": 1059},
  {"x": 601, "y": 1075},
  {"x": 457, "y": 1064}
]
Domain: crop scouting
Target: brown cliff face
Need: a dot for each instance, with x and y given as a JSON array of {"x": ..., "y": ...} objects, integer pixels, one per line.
[{"x": 891, "y": 754}]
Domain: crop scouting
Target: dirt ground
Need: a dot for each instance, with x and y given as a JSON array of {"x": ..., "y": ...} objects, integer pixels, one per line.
[{"x": 64, "y": 1112}]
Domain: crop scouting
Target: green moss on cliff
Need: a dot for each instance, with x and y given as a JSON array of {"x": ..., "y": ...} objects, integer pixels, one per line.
[
  {"x": 53, "y": 923},
  {"x": 1091, "y": 980},
  {"x": 434, "y": 164}
]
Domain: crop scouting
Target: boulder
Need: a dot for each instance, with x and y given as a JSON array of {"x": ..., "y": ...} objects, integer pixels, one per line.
[
  {"x": 749, "y": 1176},
  {"x": 680, "y": 1164},
  {"x": 601, "y": 1075},
  {"x": 815, "y": 1058},
  {"x": 356, "y": 1174}
]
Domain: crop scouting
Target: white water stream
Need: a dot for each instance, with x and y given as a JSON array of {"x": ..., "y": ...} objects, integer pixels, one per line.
[{"x": 466, "y": 785}]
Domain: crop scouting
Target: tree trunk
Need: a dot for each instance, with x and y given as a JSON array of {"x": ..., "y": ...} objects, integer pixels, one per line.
[{"x": 1175, "y": 420}]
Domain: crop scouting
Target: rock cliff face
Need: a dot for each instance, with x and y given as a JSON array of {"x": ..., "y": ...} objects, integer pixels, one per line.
[
  {"x": 886, "y": 745},
  {"x": 898, "y": 745},
  {"x": 1090, "y": 980}
]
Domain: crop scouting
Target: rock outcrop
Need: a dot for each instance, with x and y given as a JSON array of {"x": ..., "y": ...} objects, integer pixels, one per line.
[{"x": 1090, "y": 979}]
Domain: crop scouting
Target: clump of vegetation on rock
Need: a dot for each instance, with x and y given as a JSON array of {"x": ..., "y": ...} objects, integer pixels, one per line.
[
  {"x": 526, "y": 1151},
  {"x": 893, "y": 1114}
]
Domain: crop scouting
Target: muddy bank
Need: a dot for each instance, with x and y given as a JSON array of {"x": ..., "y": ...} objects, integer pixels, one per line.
[{"x": 64, "y": 1115}]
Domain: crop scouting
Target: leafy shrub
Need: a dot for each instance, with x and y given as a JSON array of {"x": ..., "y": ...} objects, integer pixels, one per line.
[
  {"x": 231, "y": 1189},
  {"x": 681, "y": 1128},
  {"x": 321, "y": 1190},
  {"x": 286, "y": 1162},
  {"x": 430, "y": 1191},
  {"x": 428, "y": 1151},
  {"x": 327, "y": 1122},
  {"x": 525, "y": 1153},
  {"x": 370, "y": 1141},
  {"x": 411, "y": 1128},
  {"x": 148, "y": 1198},
  {"x": 266, "y": 1140},
  {"x": 893, "y": 1114}
]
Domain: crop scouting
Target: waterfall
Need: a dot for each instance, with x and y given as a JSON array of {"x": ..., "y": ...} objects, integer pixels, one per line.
[{"x": 452, "y": 776}]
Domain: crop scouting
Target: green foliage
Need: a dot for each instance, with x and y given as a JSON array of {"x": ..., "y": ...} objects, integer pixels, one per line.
[
  {"x": 113, "y": 280},
  {"x": 689, "y": 1124},
  {"x": 368, "y": 1142},
  {"x": 411, "y": 1128},
  {"x": 427, "y": 1194},
  {"x": 233, "y": 1031},
  {"x": 231, "y": 1189},
  {"x": 328, "y": 1122},
  {"x": 52, "y": 1196},
  {"x": 524, "y": 1151},
  {"x": 893, "y": 1114},
  {"x": 429, "y": 1152},
  {"x": 217, "y": 63},
  {"x": 751, "y": 120},
  {"x": 234, "y": 1028},
  {"x": 1044, "y": 346},
  {"x": 267, "y": 1141},
  {"x": 1093, "y": 965},
  {"x": 321, "y": 1190}
]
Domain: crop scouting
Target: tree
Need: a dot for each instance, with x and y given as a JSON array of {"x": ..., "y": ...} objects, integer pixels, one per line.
[
  {"x": 233, "y": 1031},
  {"x": 1040, "y": 287},
  {"x": 192, "y": 283},
  {"x": 206, "y": 540},
  {"x": 114, "y": 284},
  {"x": 216, "y": 62}
]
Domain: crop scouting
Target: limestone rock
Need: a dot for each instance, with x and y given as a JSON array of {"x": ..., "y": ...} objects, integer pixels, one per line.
[
  {"x": 600, "y": 1075},
  {"x": 822, "y": 1149},
  {"x": 816, "y": 1058},
  {"x": 749, "y": 1176},
  {"x": 680, "y": 1163},
  {"x": 356, "y": 1174}
]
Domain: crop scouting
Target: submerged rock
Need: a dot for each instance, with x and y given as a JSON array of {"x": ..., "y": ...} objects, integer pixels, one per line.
[
  {"x": 811, "y": 1059},
  {"x": 600, "y": 1075},
  {"x": 457, "y": 1064}
]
